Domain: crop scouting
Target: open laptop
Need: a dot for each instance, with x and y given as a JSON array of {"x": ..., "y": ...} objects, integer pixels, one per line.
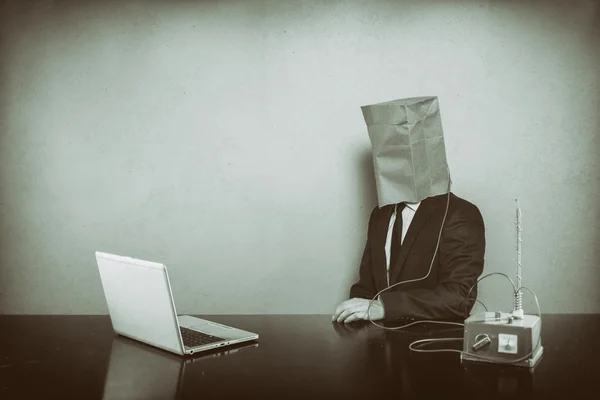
[{"x": 140, "y": 303}]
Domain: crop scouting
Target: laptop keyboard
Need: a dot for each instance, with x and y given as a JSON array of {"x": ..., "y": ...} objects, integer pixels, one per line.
[{"x": 193, "y": 338}]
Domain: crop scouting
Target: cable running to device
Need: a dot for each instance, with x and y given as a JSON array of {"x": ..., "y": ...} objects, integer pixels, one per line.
[
  {"x": 414, "y": 280},
  {"x": 424, "y": 342}
]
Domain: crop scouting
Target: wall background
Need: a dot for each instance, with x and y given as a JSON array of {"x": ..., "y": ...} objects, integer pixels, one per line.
[{"x": 225, "y": 139}]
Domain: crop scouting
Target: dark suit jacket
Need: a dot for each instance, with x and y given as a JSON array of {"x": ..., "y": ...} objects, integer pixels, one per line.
[{"x": 457, "y": 265}]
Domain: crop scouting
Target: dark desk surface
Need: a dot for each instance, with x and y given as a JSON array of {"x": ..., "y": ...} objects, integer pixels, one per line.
[{"x": 296, "y": 357}]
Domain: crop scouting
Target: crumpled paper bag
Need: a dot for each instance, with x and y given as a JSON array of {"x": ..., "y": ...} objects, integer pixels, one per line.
[{"x": 409, "y": 154}]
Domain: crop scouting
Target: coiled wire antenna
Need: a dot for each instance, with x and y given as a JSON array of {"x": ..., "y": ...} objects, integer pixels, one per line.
[{"x": 518, "y": 296}]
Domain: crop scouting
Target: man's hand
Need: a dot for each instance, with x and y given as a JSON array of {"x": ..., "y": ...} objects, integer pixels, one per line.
[{"x": 356, "y": 309}]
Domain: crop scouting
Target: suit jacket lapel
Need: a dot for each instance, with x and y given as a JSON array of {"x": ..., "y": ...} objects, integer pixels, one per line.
[
  {"x": 378, "y": 246},
  {"x": 423, "y": 213}
]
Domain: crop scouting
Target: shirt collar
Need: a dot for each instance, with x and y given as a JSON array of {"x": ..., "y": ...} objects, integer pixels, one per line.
[{"x": 413, "y": 206}]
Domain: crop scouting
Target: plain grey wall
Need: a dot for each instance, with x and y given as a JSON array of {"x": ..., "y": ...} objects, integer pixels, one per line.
[{"x": 225, "y": 138}]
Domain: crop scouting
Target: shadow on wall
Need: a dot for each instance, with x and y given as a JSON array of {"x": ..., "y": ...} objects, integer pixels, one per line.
[
  {"x": 596, "y": 153},
  {"x": 596, "y": 25},
  {"x": 4, "y": 146},
  {"x": 596, "y": 19},
  {"x": 367, "y": 196},
  {"x": 367, "y": 184}
]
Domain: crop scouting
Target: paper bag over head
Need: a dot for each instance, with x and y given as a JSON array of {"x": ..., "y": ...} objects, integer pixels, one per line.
[{"x": 409, "y": 154}]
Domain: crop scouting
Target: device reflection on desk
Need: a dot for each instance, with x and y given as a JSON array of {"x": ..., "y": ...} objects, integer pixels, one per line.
[
  {"x": 498, "y": 380},
  {"x": 136, "y": 371}
]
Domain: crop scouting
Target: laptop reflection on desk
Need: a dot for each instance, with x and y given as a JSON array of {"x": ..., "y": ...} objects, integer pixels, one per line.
[{"x": 136, "y": 371}]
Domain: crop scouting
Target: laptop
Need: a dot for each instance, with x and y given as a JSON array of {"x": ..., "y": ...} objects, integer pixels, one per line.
[{"x": 141, "y": 307}]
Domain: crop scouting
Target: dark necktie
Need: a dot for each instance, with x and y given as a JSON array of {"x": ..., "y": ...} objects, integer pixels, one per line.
[{"x": 396, "y": 237}]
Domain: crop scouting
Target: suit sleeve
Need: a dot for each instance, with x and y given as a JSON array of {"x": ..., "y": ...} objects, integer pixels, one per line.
[
  {"x": 365, "y": 286},
  {"x": 461, "y": 259}
]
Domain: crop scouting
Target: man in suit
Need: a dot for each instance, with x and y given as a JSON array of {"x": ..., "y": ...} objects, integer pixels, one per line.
[{"x": 425, "y": 245}]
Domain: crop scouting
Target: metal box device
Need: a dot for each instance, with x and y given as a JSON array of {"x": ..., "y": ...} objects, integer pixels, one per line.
[{"x": 496, "y": 337}]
